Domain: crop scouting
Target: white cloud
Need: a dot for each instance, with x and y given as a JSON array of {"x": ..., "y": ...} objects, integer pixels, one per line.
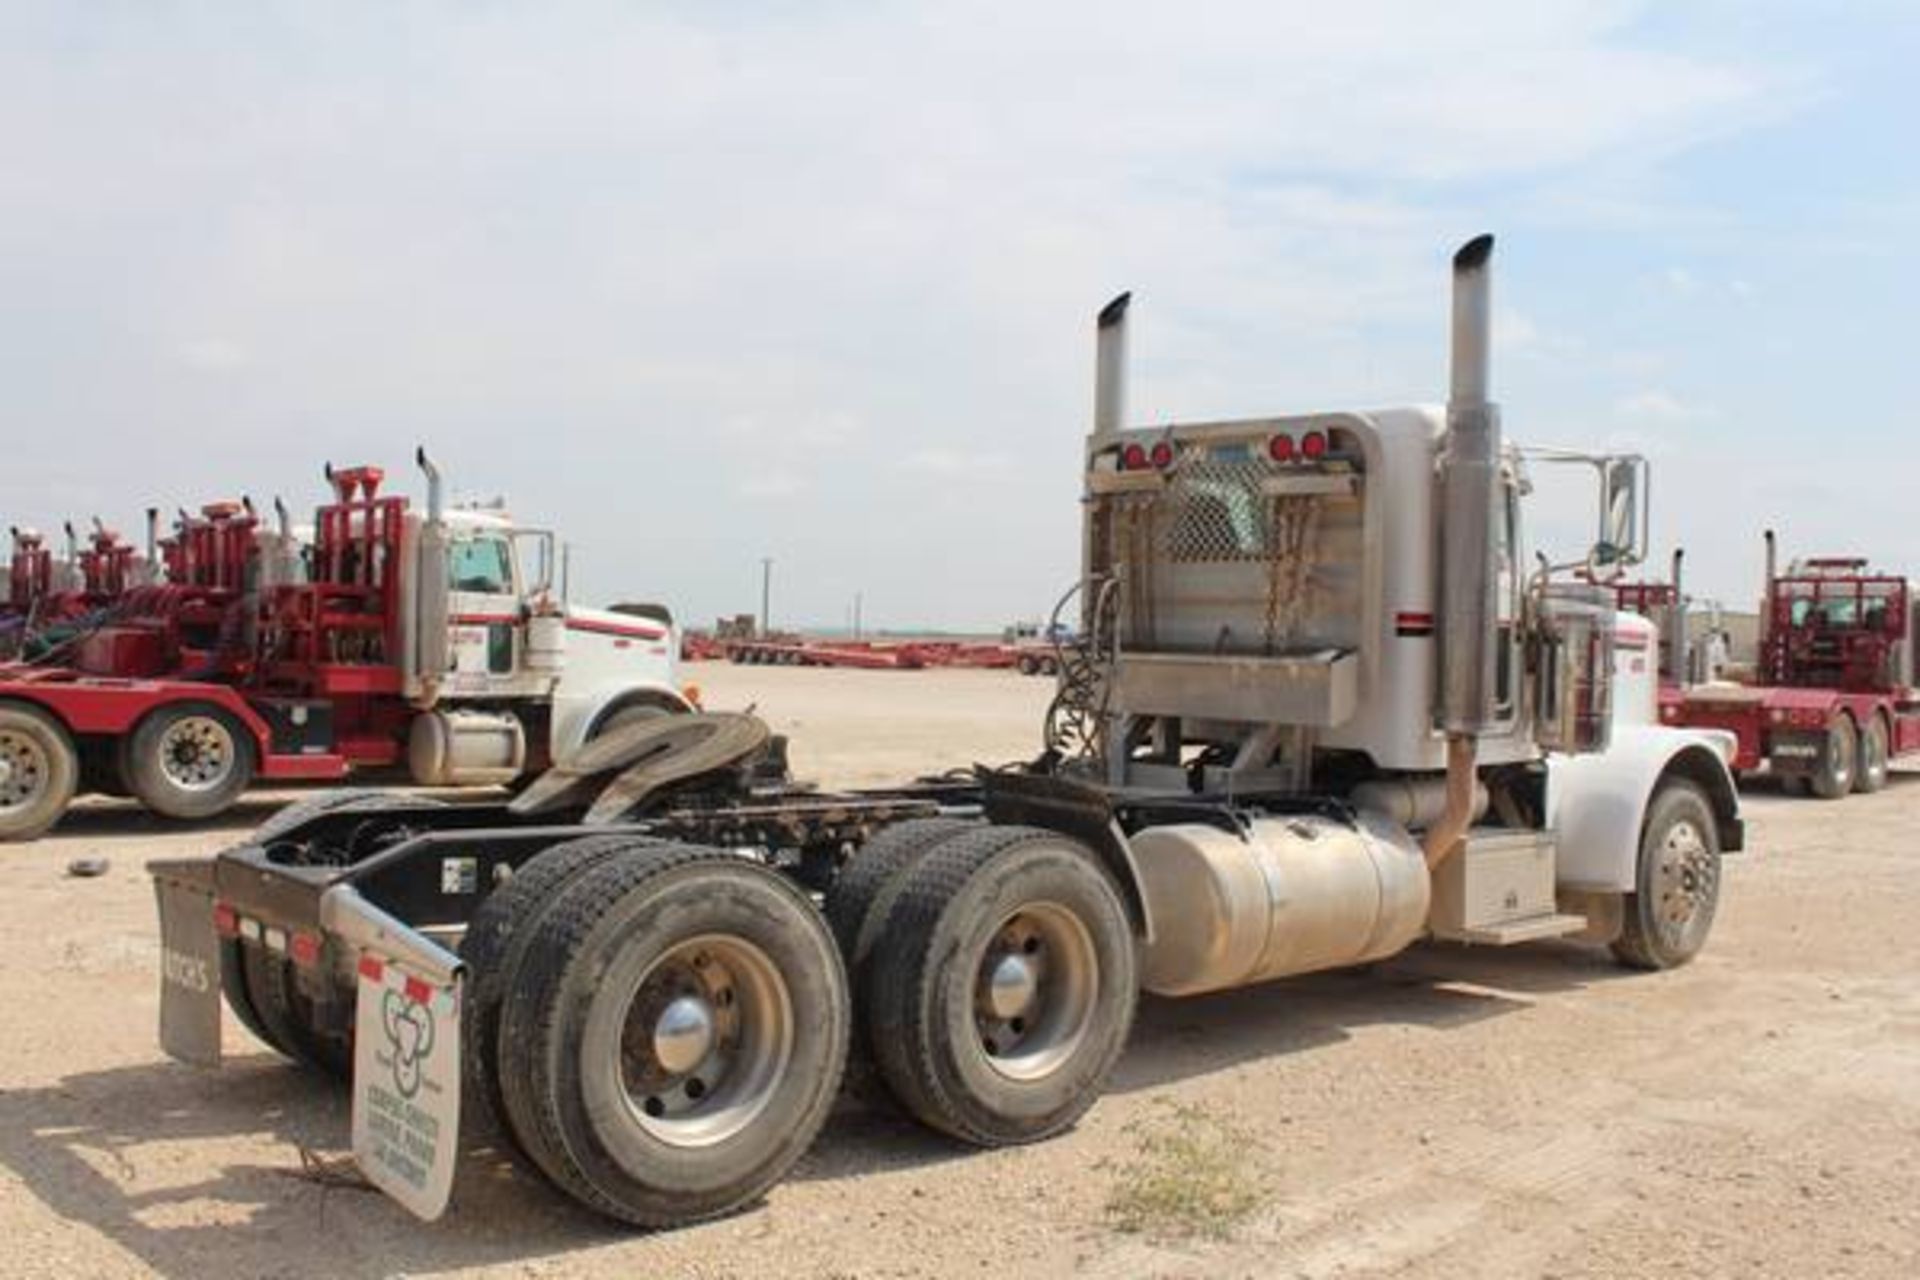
[
  {"x": 1681, "y": 281},
  {"x": 954, "y": 462},
  {"x": 613, "y": 257},
  {"x": 1662, "y": 406},
  {"x": 213, "y": 355},
  {"x": 769, "y": 486}
]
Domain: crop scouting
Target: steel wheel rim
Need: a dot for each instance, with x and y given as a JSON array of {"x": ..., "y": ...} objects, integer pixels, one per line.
[
  {"x": 25, "y": 770},
  {"x": 705, "y": 1040},
  {"x": 1688, "y": 880},
  {"x": 1874, "y": 749},
  {"x": 1034, "y": 991},
  {"x": 1842, "y": 751},
  {"x": 197, "y": 753}
]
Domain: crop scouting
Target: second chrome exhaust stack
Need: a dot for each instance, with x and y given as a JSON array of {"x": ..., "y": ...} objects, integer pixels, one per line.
[
  {"x": 1469, "y": 477},
  {"x": 1110, "y": 367}
]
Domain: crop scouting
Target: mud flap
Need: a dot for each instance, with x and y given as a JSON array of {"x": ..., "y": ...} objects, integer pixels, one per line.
[
  {"x": 189, "y": 970},
  {"x": 406, "y": 1084}
]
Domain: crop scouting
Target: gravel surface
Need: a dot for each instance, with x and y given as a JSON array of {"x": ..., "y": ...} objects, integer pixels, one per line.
[{"x": 1481, "y": 1113}]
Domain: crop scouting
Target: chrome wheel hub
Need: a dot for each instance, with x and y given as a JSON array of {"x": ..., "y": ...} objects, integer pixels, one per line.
[
  {"x": 683, "y": 1037},
  {"x": 1011, "y": 987},
  {"x": 196, "y": 753},
  {"x": 1688, "y": 878}
]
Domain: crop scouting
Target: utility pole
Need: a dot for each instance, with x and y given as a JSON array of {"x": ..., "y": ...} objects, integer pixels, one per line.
[
  {"x": 856, "y": 615},
  {"x": 766, "y": 595}
]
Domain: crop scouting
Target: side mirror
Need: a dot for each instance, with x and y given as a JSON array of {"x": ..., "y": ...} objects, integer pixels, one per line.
[{"x": 1622, "y": 518}]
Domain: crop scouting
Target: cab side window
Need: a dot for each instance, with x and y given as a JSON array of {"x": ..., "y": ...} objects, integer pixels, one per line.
[{"x": 481, "y": 565}]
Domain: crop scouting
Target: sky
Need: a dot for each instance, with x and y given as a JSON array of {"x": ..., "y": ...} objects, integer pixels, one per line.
[{"x": 698, "y": 284}]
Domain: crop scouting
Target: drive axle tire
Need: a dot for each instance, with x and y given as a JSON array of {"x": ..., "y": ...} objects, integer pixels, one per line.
[
  {"x": 282, "y": 1016},
  {"x": 1871, "y": 774},
  {"x": 492, "y": 947},
  {"x": 1839, "y": 762},
  {"x": 233, "y": 985},
  {"x": 858, "y": 901},
  {"x": 856, "y": 908},
  {"x": 39, "y": 771},
  {"x": 1677, "y": 886},
  {"x": 339, "y": 800},
  {"x": 188, "y": 760},
  {"x": 1004, "y": 985},
  {"x": 673, "y": 1037}
]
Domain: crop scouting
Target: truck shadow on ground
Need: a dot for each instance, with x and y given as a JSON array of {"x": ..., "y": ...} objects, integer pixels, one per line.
[
  {"x": 102, "y": 816},
  {"x": 106, "y": 1148}
]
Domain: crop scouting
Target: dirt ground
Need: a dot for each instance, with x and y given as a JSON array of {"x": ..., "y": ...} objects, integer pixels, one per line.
[{"x": 1526, "y": 1113}]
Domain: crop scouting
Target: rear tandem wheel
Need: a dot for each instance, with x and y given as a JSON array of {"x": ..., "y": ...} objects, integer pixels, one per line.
[
  {"x": 1003, "y": 985},
  {"x": 673, "y": 1034}
]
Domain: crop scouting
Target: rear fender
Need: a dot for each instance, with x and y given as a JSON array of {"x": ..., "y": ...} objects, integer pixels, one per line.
[{"x": 1597, "y": 804}]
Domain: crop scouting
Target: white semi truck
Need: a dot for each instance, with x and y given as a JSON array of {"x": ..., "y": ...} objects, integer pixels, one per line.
[{"x": 1322, "y": 707}]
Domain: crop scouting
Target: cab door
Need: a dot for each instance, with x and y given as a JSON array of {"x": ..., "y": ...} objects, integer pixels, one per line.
[{"x": 483, "y": 611}]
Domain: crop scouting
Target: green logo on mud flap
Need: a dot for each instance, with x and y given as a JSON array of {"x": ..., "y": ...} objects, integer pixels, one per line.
[{"x": 409, "y": 1027}]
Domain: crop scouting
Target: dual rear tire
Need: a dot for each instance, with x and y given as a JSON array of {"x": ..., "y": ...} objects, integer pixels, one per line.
[
  {"x": 661, "y": 1029},
  {"x": 996, "y": 976},
  {"x": 664, "y": 1029}
]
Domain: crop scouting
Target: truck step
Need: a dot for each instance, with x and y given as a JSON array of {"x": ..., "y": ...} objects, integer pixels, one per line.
[{"x": 1507, "y": 933}]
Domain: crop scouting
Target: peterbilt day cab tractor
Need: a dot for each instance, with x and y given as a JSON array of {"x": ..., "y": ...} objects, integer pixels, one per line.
[
  {"x": 1318, "y": 710},
  {"x": 398, "y": 636},
  {"x": 1833, "y": 698}
]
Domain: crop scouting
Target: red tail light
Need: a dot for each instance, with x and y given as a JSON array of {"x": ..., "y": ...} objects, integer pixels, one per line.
[
  {"x": 1133, "y": 458},
  {"x": 226, "y": 921},
  {"x": 305, "y": 948},
  {"x": 1163, "y": 455},
  {"x": 1313, "y": 444},
  {"x": 1280, "y": 448}
]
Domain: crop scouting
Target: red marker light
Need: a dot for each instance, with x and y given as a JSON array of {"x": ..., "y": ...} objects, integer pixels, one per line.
[
  {"x": 1163, "y": 455},
  {"x": 1280, "y": 448},
  {"x": 1133, "y": 458},
  {"x": 1314, "y": 444}
]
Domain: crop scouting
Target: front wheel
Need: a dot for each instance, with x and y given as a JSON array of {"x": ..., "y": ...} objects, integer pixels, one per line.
[
  {"x": 1677, "y": 887},
  {"x": 1003, "y": 985},
  {"x": 188, "y": 761}
]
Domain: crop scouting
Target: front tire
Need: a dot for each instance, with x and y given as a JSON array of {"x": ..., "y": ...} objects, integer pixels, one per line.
[
  {"x": 1003, "y": 986},
  {"x": 39, "y": 772},
  {"x": 188, "y": 760},
  {"x": 673, "y": 1037},
  {"x": 1677, "y": 886}
]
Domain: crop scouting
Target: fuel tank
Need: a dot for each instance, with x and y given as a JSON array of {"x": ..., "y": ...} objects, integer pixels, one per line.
[
  {"x": 1293, "y": 895},
  {"x": 466, "y": 748}
]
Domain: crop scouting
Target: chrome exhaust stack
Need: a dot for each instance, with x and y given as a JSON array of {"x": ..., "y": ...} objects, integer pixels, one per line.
[
  {"x": 1110, "y": 367},
  {"x": 1470, "y": 470},
  {"x": 1681, "y": 642},
  {"x": 436, "y": 496},
  {"x": 432, "y": 648},
  {"x": 1766, "y": 592}
]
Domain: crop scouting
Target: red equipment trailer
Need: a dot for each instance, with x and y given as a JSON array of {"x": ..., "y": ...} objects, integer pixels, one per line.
[
  {"x": 396, "y": 638},
  {"x": 1833, "y": 700}
]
